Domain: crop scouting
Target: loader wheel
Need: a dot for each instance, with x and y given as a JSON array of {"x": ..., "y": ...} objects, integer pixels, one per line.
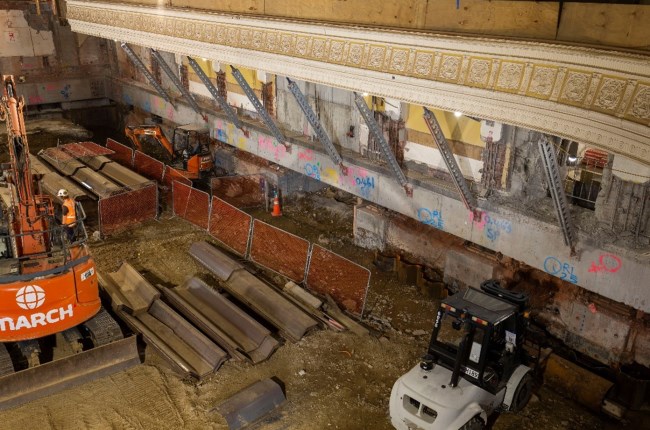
[
  {"x": 475, "y": 423},
  {"x": 523, "y": 393}
]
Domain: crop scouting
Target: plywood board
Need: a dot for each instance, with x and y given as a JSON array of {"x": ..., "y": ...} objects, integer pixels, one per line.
[
  {"x": 607, "y": 24},
  {"x": 504, "y": 18},
  {"x": 240, "y": 6},
  {"x": 394, "y": 13}
]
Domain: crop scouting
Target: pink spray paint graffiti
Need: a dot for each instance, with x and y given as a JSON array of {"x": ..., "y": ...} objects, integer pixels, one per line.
[
  {"x": 267, "y": 144},
  {"x": 608, "y": 263}
]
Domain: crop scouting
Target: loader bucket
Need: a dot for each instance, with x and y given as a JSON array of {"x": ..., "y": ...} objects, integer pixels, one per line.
[{"x": 50, "y": 378}]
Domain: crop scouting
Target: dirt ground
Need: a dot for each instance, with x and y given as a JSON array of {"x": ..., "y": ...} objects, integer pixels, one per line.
[{"x": 332, "y": 380}]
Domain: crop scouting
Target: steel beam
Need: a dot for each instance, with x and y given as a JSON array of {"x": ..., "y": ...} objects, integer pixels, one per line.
[
  {"x": 168, "y": 71},
  {"x": 232, "y": 116},
  {"x": 140, "y": 65},
  {"x": 316, "y": 125},
  {"x": 557, "y": 191},
  {"x": 450, "y": 162},
  {"x": 383, "y": 145},
  {"x": 261, "y": 110}
]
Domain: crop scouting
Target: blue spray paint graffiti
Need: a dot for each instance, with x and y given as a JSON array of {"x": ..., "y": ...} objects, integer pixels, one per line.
[
  {"x": 492, "y": 227},
  {"x": 366, "y": 185},
  {"x": 563, "y": 271},
  {"x": 127, "y": 99},
  {"x": 431, "y": 217},
  {"x": 313, "y": 170},
  {"x": 65, "y": 92},
  {"x": 147, "y": 105}
]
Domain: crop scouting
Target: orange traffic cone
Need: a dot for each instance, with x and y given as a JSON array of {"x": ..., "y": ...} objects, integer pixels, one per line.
[{"x": 276, "y": 206}]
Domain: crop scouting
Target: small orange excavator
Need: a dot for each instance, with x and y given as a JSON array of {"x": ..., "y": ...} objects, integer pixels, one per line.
[
  {"x": 188, "y": 152},
  {"x": 48, "y": 281}
]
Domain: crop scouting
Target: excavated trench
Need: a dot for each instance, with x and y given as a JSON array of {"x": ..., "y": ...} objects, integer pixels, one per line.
[{"x": 333, "y": 380}]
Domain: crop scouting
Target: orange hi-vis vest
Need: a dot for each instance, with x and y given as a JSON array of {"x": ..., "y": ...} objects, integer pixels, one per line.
[{"x": 71, "y": 217}]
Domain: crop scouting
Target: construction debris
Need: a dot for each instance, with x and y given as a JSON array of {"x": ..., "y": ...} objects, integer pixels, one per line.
[
  {"x": 251, "y": 403},
  {"x": 263, "y": 299},
  {"x": 332, "y": 309}
]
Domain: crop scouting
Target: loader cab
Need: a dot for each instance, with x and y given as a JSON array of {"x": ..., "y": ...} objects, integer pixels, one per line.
[{"x": 479, "y": 336}]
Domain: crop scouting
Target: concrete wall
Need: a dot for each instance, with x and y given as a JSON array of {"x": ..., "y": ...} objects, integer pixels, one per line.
[
  {"x": 610, "y": 271},
  {"x": 48, "y": 61}
]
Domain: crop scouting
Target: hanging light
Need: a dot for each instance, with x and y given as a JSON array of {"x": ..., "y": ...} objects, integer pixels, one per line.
[{"x": 458, "y": 114}]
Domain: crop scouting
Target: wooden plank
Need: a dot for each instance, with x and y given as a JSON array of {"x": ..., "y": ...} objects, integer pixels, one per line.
[
  {"x": 239, "y": 6},
  {"x": 503, "y": 18},
  {"x": 393, "y": 13},
  {"x": 624, "y": 25}
]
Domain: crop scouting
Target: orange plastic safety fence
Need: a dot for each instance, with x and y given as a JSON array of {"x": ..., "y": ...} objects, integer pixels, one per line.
[
  {"x": 128, "y": 208},
  {"x": 121, "y": 153},
  {"x": 345, "y": 281},
  {"x": 279, "y": 250},
  {"x": 230, "y": 225},
  {"x": 148, "y": 166},
  {"x": 191, "y": 204}
]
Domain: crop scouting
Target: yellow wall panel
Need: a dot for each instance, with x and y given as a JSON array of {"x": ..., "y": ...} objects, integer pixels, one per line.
[
  {"x": 249, "y": 74},
  {"x": 461, "y": 129}
]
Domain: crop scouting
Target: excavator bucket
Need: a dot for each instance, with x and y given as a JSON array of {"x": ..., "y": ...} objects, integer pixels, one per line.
[{"x": 50, "y": 378}]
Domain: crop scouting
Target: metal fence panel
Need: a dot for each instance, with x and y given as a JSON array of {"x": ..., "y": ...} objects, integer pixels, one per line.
[
  {"x": 128, "y": 208},
  {"x": 230, "y": 225},
  {"x": 345, "y": 281},
  {"x": 169, "y": 177},
  {"x": 279, "y": 250},
  {"x": 148, "y": 166},
  {"x": 121, "y": 153},
  {"x": 240, "y": 191},
  {"x": 191, "y": 204}
]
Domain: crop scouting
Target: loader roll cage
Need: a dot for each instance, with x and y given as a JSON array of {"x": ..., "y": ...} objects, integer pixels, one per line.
[{"x": 478, "y": 337}]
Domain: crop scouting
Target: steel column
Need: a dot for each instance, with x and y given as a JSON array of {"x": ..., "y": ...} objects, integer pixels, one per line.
[
  {"x": 140, "y": 65},
  {"x": 450, "y": 161},
  {"x": 383, "y": 145},
  {"x": 168, "y": 71},
  {"x": 259, "y": 107},
  {"x": 215, "y": 93},
  {"x": 557, "y": 191},
  {"x": 316, "y": 125}
]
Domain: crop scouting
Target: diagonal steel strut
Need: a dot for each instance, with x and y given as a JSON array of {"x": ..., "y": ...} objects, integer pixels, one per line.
[
  {"x": 168, "y": 71},
  {"x": 383, "y": 145},
  {"x": 215, "y": 93},
  {"x": 318, "y": 128},
  {"x": 450, "y": 161},
  {"x": 557, "y": 191},
  {"x": 259, "y": 106},
  {"x": 140, "y": 65}
]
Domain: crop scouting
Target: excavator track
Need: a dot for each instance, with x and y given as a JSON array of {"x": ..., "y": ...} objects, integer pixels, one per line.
[
  {"x": 6, "y": 365},
  {"x": 103, "y": 328}
]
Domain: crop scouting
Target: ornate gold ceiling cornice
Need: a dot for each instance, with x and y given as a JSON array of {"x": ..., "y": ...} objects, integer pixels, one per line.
[{"x": 590, "y": 95}]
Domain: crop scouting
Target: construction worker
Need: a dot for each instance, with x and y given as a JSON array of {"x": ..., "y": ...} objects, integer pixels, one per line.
[{"x": 68, "y": 213}]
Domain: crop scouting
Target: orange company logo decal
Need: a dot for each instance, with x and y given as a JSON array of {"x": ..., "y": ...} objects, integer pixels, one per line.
[{"x": 32, "y": 297}]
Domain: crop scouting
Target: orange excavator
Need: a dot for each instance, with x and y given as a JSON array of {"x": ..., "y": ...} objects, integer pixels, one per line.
[
  {"x": 188, "y": 152},
  {"x": 48, "y": 280}
]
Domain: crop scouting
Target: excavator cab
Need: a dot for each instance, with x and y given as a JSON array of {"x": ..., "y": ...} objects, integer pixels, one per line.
[{"x": 188, "y": 151}]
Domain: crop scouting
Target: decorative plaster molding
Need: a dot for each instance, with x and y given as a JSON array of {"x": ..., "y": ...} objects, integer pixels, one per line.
[{"x": 593, "y": 96}]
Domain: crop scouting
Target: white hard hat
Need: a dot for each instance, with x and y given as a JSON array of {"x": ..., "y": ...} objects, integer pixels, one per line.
[{"x": 62, "y": 193}]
